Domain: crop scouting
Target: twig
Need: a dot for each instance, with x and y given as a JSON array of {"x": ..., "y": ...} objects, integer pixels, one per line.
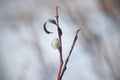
[
  {"x": 60, "y": 49},
  {"x": 58, "y": 44},
  {"x": 67, "y": 59}
]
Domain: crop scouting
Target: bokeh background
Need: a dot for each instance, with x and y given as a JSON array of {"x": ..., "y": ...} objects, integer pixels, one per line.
[{"x": 26, "y": 52}]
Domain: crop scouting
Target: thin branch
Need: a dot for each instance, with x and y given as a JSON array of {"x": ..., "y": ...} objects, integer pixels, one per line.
[
  {"x": 67, "y": 59},
  {"x": 60, "y": 49},
  {"x": 62, "y": 68}
]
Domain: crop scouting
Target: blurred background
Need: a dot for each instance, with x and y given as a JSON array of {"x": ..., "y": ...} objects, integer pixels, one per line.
[{"x": 26, "y": 52}]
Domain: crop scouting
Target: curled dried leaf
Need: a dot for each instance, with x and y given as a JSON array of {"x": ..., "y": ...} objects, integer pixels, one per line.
[
  {"x": 45, "y": 29},
  {"x": 50, "y": 21},
  {"x": 53, "y": 22}
]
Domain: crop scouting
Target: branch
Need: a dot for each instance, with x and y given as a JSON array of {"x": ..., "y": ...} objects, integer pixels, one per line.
[
  {"x": 67, "y": 59},
  {"x": 60, "y": 49},
  {"x": 57, "y": 44}
]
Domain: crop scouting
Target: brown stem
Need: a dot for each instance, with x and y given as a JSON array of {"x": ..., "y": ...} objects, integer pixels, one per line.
[
  {"x": 67, "y": 59},
  {"x": 60, "y": 49},
  {"x": 60, "y": 68}
]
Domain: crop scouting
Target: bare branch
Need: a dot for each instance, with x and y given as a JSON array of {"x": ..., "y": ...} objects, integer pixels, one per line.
[
  {"x": 67, "y": 59},
  {"x": 62, "y": 68},
  {"x": 60, "y": 49}
]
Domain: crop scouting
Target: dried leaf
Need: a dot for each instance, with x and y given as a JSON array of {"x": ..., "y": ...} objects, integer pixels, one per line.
[
  {"x": 50, "y": 21},
  {"x": 53, "y": 22},
  {"x": 48, "y": 32}
]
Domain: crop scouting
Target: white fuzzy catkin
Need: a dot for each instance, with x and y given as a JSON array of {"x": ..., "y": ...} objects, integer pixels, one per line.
[{"x": 55, "y": 43}]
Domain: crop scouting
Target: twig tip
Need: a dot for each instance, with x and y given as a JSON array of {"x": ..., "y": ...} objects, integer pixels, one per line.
[{"x": 78, "y": 31}]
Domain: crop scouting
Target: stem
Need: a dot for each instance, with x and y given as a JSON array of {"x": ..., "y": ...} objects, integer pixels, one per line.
[
  {"x": 60, "y": 68},
  {"x": 67, "y": 59},
  {"x": 60, "y": 49}
]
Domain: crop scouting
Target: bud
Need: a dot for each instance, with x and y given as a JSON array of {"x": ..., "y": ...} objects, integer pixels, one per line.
[{"x": 56, "y": 43}]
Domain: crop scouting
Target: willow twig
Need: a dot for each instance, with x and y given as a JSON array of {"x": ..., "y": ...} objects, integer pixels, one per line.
[
  {"x": 67, "y": 59},
  {"x": 60, "y": 49}
]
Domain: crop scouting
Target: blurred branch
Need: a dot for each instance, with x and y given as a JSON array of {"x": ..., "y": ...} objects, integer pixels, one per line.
[
  {"x": 111, "y": 7},
  {"x": 67, "y": 59}
]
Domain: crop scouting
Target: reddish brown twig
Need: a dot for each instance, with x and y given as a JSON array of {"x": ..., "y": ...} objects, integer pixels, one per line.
[
  {"x": 60, "y": 49},
  {"x": 62, "y": 68},
  {"x": 67, "y": 59}
]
